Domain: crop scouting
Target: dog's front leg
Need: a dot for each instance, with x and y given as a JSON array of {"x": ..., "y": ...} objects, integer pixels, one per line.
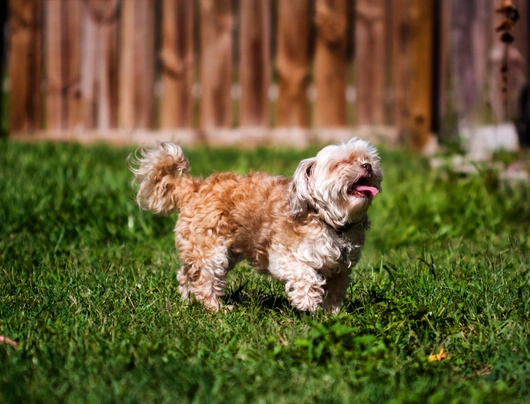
[
  {"x": 304, "y": 285},
  {"x": 336, "y": 287}
]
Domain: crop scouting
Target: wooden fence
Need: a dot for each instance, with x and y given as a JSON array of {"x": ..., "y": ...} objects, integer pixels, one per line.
[{"x": 232, "y": 72}]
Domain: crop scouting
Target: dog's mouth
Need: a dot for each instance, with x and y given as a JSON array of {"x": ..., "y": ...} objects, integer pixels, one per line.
[{"x": 362, "y": 189}]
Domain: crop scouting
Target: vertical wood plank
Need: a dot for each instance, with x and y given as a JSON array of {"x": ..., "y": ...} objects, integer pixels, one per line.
[
  {"x": 522, "y": 29},
  {"x": 330, "y": 63},
  {"x": 62, "y": 64},
  {"x": 88, "y": 68},
  {"x": 99, "y": 71},
  {"x": 3, "y": 66},
  {"x": 216, "y": 63},
  {"x": 505, "y": 89},
  {"x": 370, "y": 61},
  {"x": 176, "y": 107},
  {"x": 292, "y": 62},
  {"x": 401, "y": 53},
  {"x": 72, "y": 64},
  {"x": 108, "y": 67},
  {"x": 254, "y": 62},
  {"x": 469, "y": 35},
  {"x": 127, "y": 90},
  {"x": 441, "y": 68},
  {"x": 55, "y": 105},
  {"x": 421, "y": 72},
  {"x": 136, "y": 79},
  {"x": 25, "y": 72}
]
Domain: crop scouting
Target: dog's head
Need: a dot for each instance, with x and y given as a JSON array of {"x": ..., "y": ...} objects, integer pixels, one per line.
[{"x": 339, "y": 183}]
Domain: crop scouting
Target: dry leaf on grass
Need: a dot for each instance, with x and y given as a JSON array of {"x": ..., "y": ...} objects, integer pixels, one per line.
[{"x": 438, "y": 357}]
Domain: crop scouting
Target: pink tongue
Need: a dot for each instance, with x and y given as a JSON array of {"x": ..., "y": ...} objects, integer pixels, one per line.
[{"x": 372, "y": 190}]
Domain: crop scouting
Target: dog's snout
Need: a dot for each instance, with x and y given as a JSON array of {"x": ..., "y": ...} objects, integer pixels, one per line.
[{"x": 367, "y": 167}]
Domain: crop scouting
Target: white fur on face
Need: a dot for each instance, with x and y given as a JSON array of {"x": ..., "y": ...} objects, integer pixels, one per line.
[{"x": 321, "y": 183}]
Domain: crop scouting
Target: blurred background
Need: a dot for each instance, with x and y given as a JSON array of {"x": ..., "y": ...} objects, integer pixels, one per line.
[{"x": 245, "y": 72}]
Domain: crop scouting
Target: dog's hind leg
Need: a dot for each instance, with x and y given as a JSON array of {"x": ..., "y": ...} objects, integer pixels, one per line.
[{"x": 205, "y": 278}]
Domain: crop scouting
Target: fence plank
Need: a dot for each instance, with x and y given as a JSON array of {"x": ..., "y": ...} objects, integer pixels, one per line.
[
  {"x": 441, "y": 120},
  {"x": 55, "y": 105},
  {"x": 505, "y": 89},
  {"x": 25, "y": 73},
  {"x": 370, "y": 62},
  {"x": 522, "y": 30},
  {"x": 216, "y": 63},
  {"x": 72, "y": 63},
  {"x": 330, "y": 63},
  {"x": 292, "y": 63},
  {"x": 127, "y": 84},
  {"x": 62, "y": 64},
  {"x": 136, "y": 79},
  {"x": 99, "y": 72},
  {"x": 176, "y": 106},
  {"x": 422, "y": 71},
  {"x": 254, "y": 62},
  {"x": 401, "y": 53},
  {"x": 469, "y": 46}
]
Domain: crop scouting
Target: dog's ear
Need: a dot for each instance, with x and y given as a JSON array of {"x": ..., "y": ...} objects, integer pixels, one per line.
[{"x": 300, "y": 191}]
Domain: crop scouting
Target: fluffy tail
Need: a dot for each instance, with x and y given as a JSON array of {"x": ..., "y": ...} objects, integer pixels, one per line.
[{"x": 162, "y": 178}]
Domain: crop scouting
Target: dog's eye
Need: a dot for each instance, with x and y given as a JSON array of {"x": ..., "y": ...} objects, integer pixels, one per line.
[{"x": 339, "y": 164}]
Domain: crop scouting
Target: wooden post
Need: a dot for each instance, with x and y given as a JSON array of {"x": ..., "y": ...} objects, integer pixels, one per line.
[
  {"x": 25, "y": 58},
  {"x": 136, "y": 79},
  {"x": 63, "y": 39},
  {"x": 176, "y": 106},
  {"x": 370, "y": 61},
  {"x": 216, "y": 63},
  {"x": 292, "y": 62},
  {"x": 99, "y": 70},
  {"x": 421, "y": 73},
  {"x": 330, "y": 63},
  {"x": 254, "y": 62}
]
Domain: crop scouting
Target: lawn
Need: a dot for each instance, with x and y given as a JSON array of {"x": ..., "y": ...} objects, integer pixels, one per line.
[{"x": 88, "y": 291}]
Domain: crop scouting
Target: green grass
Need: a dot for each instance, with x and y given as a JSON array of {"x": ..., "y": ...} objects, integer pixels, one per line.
[{"x": 88, "y": 290}]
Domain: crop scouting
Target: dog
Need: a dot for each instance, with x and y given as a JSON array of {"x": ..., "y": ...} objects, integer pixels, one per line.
[{"x": 306, "y": 231}]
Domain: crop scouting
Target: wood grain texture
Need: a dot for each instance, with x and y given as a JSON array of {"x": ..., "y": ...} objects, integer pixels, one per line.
[
  {"x": 292, "y": 63},
  {"x": 422, "y": 72},
  {"x": 25, "y": 65},
  {"x": 177, "y": 62},
  {"x": 254, "y": 62},
  {"x": 216, "y": 63},
  {"x": 137, "y": 57},
  {"x": 370, "y": 62},
  {"x": 330, "y": 63},
  {"x": 99, "y": 70}
]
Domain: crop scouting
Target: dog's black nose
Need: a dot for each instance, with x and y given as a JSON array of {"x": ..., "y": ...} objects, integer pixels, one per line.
[{"x": 367, "y": 167}]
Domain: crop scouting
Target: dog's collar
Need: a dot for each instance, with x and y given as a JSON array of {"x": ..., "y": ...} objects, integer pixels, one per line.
[
  {"x": 346, "y": 227},
  {"x": 364, "y": 222}
]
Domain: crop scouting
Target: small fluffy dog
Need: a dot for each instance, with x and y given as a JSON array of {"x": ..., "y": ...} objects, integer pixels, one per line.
[{"x": 306, "y": 231}]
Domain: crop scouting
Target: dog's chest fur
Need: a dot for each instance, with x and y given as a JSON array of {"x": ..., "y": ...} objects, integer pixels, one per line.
[{"x": 330, "y": 251}]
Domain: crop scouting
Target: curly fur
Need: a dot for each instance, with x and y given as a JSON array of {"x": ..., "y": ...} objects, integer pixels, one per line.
[{"x": 306, "y": 231}]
